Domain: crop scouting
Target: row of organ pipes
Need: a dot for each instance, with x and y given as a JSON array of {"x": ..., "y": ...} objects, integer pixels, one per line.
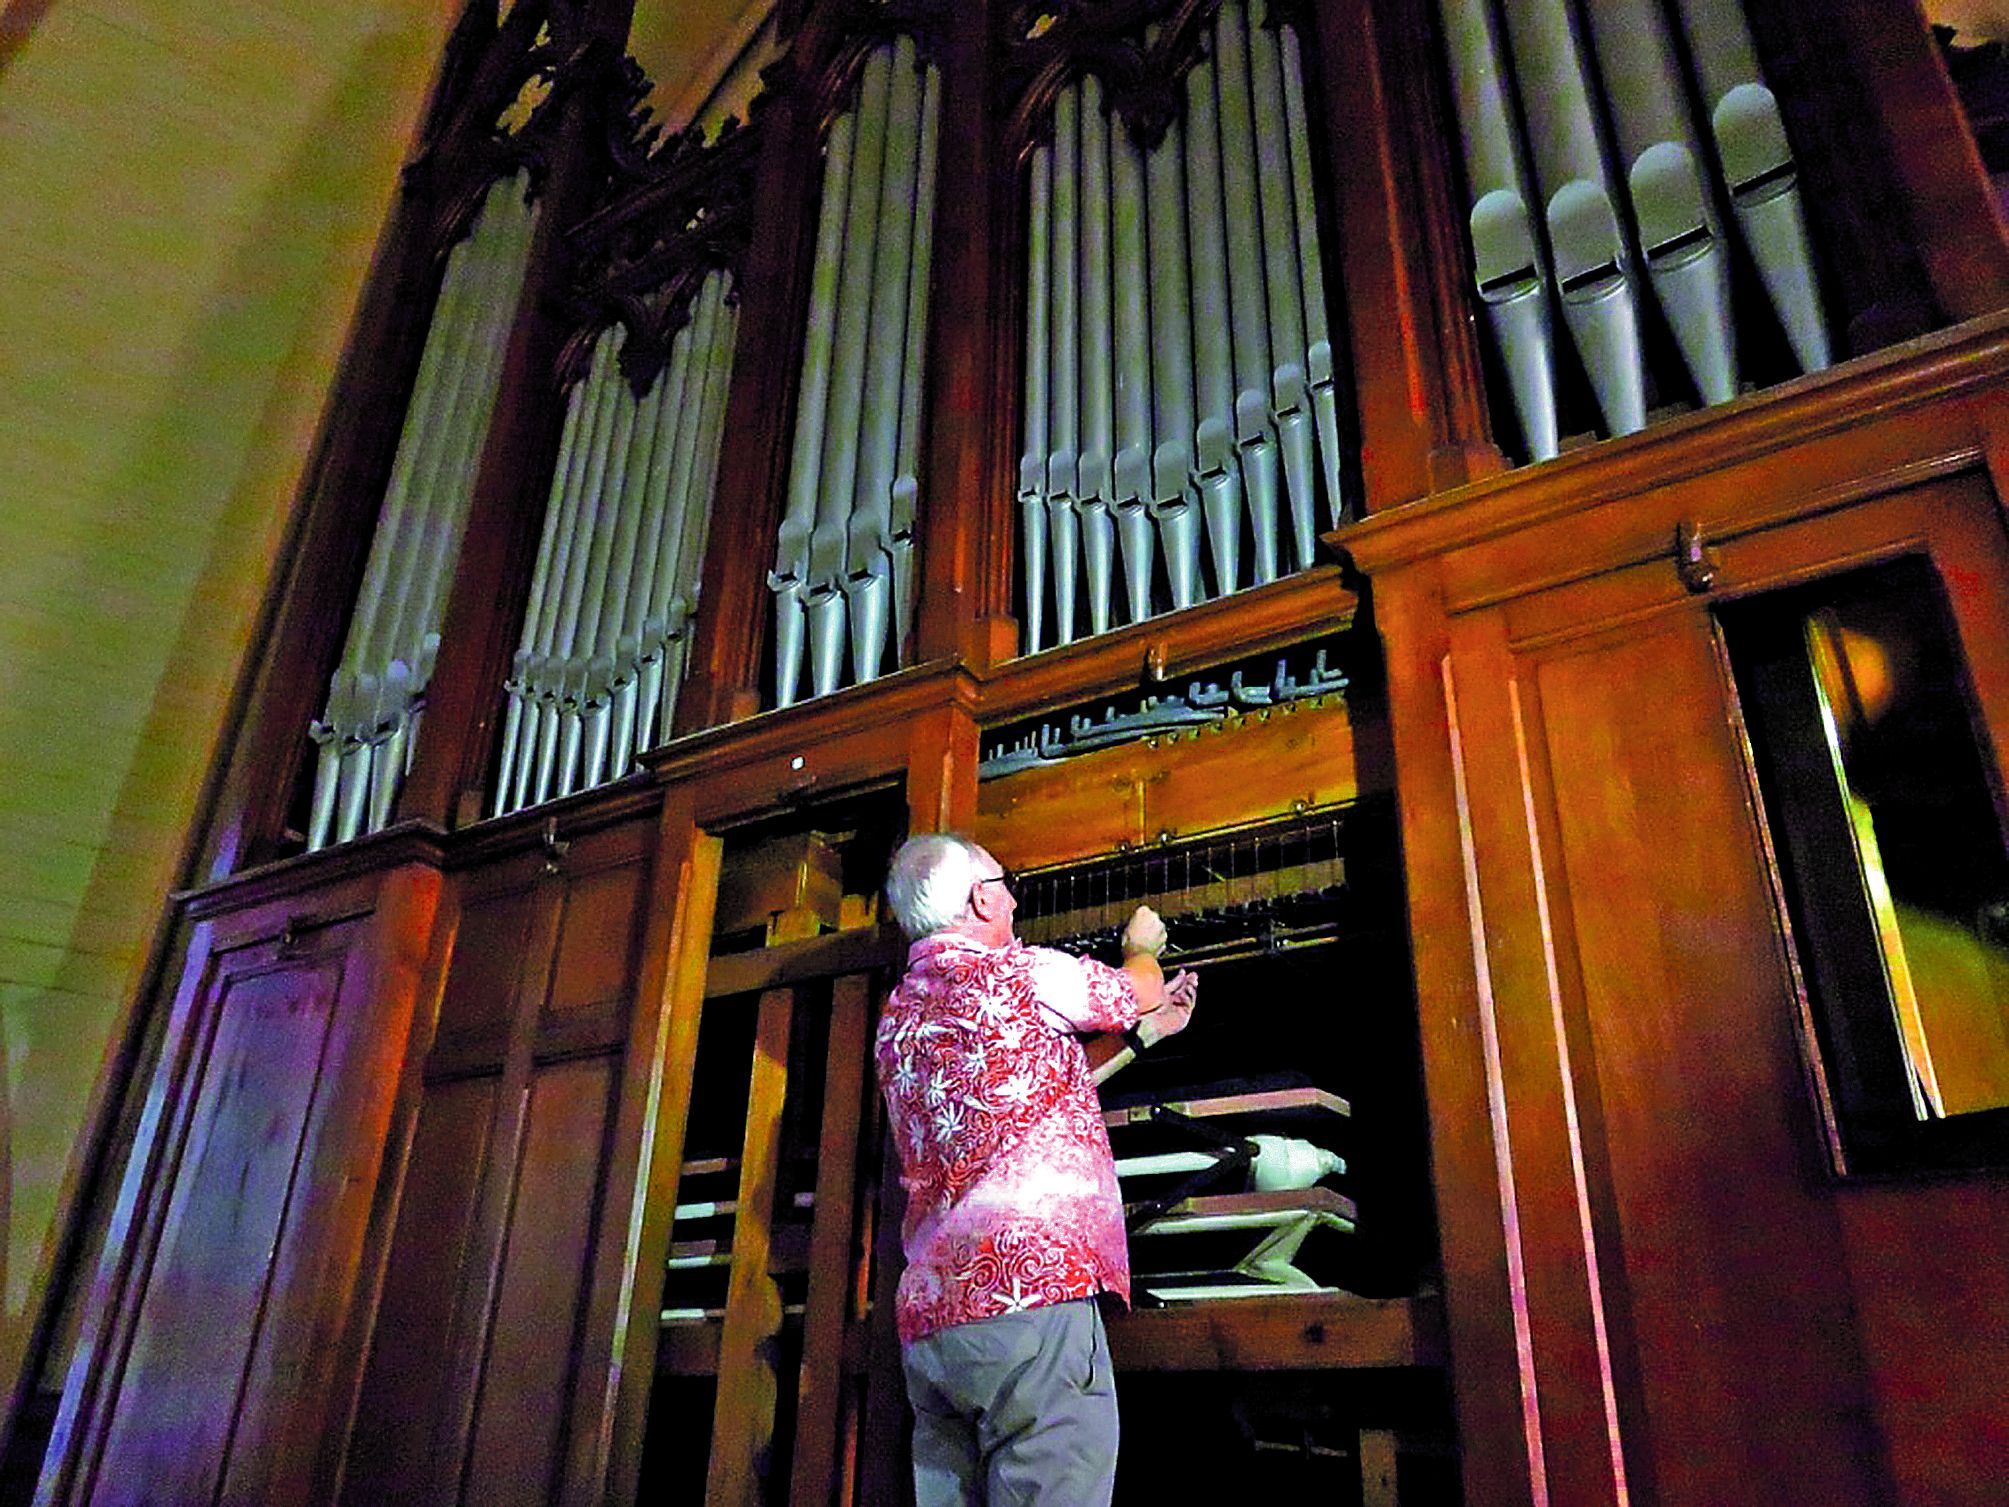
[
  {"x": 368, "y": 731},
  {"x": 844, "y": 563},
  {"x": 1580, "y": 251},
  {"x": 1179, "y": 374},
  {"x": 1180, "y": 406},
  {"x": 595, "y": 677}
]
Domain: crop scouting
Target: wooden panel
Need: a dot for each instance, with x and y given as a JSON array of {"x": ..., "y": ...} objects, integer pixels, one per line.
[
  {"x": 1931, "y": 1277},
  {"x": 1252, "y": 767},
  {"x": 388, "y": 1450},
  {"x": 199, "y": 1319},
  {"x": 1287, "y": 1334},
  {"x": 1747, "y": 1358},
  {"x": 513, "y": 1454},
  {"x": 596, "y": 939},
  {"x": 646, "y": 1159},
  {"x": 481, "y": 982}
]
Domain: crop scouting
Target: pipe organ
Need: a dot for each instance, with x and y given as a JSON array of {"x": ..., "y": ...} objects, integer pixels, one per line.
[
  {"x": 844, "y": 571},
  {"x": 367, "y": 732},
  {"x": 518, "y": 1143},
  {"x": 1628, "y": 210},
  {"x": 1180, "y": 394},
  {"x": 595, "y": 677}
]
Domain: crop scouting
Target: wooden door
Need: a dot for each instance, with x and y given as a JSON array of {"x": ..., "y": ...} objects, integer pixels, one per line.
[
  {"x": 472, "y": 1390},
  {"x": 226, "y": 1323},
  {"x": 1689, "y": 1300}
]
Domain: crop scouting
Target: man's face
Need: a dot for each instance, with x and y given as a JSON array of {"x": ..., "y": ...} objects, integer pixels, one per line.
[{"x": 991, "y": 900}]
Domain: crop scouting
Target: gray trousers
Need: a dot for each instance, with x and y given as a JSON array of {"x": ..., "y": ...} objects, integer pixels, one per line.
[{"x": 1015, "y": 1410}]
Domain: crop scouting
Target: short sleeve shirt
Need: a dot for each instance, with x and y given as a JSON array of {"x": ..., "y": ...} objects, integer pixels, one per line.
[{"x": 1012, "y": 1200}]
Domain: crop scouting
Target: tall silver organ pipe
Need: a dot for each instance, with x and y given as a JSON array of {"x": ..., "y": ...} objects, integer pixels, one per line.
[
  {"x": 1757, "y": 165},
  {"x": 367, "y": 733},
  {"x": 1509, "y": 261},
  {"x": 1594, "y": 268},
  {"x": 1673, "y": 174},
  {"x": 612, "y": 595},
  {"x": 844, "y": 575},
  {"x": 1178, "y": 360}
]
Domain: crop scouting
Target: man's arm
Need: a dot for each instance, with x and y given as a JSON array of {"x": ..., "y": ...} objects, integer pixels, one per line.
[{"x": 1164, "y": 1009}]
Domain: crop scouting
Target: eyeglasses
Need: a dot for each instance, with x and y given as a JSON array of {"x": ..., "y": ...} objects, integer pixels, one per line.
[{"x": 1006, "y": 878}]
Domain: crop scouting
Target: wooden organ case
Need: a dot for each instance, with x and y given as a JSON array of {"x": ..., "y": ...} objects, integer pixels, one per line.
[{"x": 1316, "y": 466}]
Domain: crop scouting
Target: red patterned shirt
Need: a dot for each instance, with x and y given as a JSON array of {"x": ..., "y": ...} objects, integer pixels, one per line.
[{"x": 1011, "y": 1191}]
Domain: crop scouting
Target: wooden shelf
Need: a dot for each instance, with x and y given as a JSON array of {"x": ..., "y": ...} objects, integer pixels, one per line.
[{"x": 1320, "y": 1332}]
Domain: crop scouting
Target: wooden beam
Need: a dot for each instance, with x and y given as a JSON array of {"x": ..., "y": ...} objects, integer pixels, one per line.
[
  {"x": 743, "y": 1424},
  {"x": 1327, "y": 1332},
  {"x": 785, "y": 963},
  {"x": 649, "y": 1144},
  {"x": 817, "y": 1396}
]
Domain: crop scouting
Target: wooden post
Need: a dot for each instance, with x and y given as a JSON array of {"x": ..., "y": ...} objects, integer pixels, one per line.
[
  {"x": 828, "y": 1305},
  {"x": 942, "y": 771},
  {"x": 622, "y": 1335},
  {"x": 966, "y": 509},
  {"x": 1421, "y": 401},
  {"x": 743, "y": 1424}
]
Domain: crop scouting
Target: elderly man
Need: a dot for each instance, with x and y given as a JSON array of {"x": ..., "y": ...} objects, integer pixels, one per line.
[{"x": 1014, "y": 1223}]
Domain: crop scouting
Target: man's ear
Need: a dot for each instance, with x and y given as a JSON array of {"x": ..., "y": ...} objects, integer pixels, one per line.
[{"x": 981, "y": 905}]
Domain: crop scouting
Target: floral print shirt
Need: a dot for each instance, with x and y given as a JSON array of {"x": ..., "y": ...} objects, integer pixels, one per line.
[{"x": 1012, "y": 1200}]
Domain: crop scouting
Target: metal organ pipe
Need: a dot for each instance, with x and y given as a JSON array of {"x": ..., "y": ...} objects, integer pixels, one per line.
[
  {"x": 827, "y": 542},
  {"x": 696, "y": 518},
  {"x": 1757, "y": 163},
  {"x": 1093, "y": 489},
  {"x": 1178, "y": 359},
  {"x": 843, "y": 564},
  {"x": 1509, "y": 262},
  {"x": 1248, "y": 307},
  {"x": 868, "y": 560},
  {"x": 1130, "y": 472},
  {"x": 1680, "y": 236},
  {"x": 1032, "y": 467},
  {"x": 376, "y": 693},
  {"x": 920, "y": 264},
  {"x": 1674, "y": 188},
  {"x": 612, "y": 592},
  {"x": 790, "y": 578},
  {"x": 1217, "y": 475},
  {"x": 1171, "y": 368},
  {"x": 1063, "y": 394},
  {"x": 1289, "y": 417},
  {"x": 1318, "y": 357},
  {"x": 1594, "y": 271}
]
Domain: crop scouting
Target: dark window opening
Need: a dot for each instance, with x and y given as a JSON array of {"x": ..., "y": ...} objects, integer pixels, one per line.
[{"x": 1886, "y": 822}]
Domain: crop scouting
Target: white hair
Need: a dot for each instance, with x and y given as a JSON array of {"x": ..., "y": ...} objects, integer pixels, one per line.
[{"x": 929, "y": 881}]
